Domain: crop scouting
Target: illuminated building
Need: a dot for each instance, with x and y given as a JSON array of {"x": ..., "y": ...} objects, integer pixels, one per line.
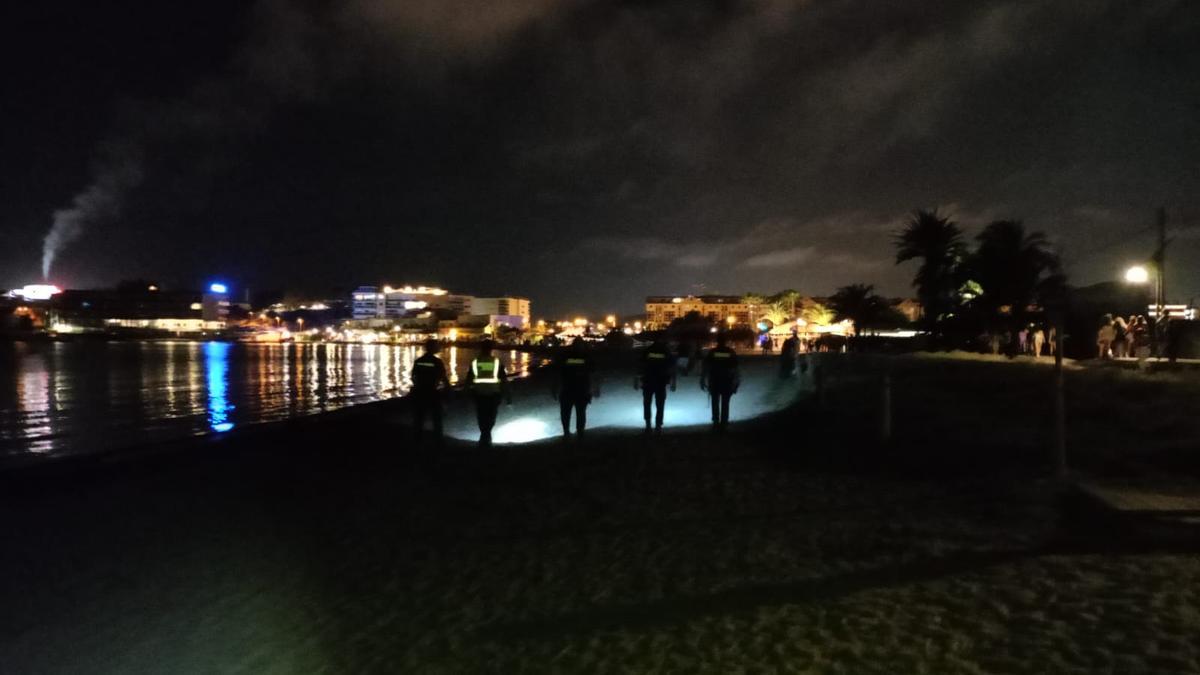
[
  {"x": 214, "y": 304},
  {"x": 661, "y": 310},
  {"x": 35, "y": 292},
  {"x": 367, "y": 302},
  {"x": 373, "y": 302},
  {"x": 136, "y": 311},
  {"x": 503, "y": 308},
  {"x": 1173, "y": 311}
]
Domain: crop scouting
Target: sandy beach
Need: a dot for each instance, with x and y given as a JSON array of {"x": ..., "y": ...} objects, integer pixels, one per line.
[{"x": 792, "y": 544}]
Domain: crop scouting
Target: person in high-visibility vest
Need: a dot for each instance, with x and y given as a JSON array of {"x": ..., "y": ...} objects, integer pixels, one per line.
[
  {"x": 719, "y": 376},
  {"x": 488, "y": 381},
  {"x": 657, "y": 371},
  {"x": 574, "y": 386},
  {"x": 428, "y": 375}
]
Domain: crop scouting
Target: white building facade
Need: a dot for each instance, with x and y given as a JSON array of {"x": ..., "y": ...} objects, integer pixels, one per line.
[{"x": 509, "y": 306}]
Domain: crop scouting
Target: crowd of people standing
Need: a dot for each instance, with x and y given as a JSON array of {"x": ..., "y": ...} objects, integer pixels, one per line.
[{"x": 1120, "y": 338}]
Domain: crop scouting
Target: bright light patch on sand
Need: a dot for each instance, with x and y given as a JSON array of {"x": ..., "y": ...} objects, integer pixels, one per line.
[{"x": 522, "y": 430}]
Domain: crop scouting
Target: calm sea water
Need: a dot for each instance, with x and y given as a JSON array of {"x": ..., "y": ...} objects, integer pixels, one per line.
[{"x": 63, "y": 398}]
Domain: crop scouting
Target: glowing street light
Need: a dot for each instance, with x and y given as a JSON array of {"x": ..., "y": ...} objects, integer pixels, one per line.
[{"x": 1137, "y": 275}]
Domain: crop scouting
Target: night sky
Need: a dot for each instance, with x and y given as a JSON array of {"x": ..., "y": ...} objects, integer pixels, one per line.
[{"x": 587, "y": 154}]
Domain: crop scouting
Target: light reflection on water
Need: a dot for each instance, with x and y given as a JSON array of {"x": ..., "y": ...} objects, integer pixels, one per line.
[
  {"x": 216, "y": 365},
  {"x": 76, "y": 397}
]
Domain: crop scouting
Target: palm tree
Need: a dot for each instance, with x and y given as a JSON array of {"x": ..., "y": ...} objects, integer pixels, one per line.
[
  {"x": 788, "y": 298},
  {"x": 754, "y": 300},
  {"x": 776, "y": 312},
  {"x": 1014, "y": 270},
  {"x": 817, "y": 314},
  {"x": 859, "y": 304},
  {"x": 937, "y": 242}
]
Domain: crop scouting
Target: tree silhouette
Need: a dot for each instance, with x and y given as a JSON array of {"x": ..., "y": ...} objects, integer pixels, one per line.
[
  {"x": 859, "y": 304},
  {"x": 937, "y": 242},
  {"x": 1014, "y": 269}
]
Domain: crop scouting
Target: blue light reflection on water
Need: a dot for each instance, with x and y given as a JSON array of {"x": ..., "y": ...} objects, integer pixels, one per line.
[{"x": 216, "y": 368}]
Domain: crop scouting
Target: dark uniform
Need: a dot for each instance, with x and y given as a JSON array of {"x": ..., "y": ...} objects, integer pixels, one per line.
[
  {"x": 488, "y": 381},
  {"x": 575, "y": 369},
  {"x": 720, "y": 372},
  {"x": 428, "y": 373},
  {"x": 787, "y": 356},
  {"x": 657, "y": 371}
]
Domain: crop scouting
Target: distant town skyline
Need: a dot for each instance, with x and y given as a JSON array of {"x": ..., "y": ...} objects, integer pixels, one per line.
[{"x": 587, "y": 154}]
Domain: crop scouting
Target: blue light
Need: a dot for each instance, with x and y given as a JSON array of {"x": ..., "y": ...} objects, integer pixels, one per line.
[
  {"x": 218, "y": 288},
  {"x": 216, "y": 368}
]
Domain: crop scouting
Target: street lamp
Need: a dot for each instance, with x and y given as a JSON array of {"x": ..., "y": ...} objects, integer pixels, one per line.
[{"x": 1137, "y": 275}]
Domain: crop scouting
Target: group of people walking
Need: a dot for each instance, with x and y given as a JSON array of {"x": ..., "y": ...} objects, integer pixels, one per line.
[
  {"x": 1031, "y": 340},
  {"x": 574, "y": 385}
]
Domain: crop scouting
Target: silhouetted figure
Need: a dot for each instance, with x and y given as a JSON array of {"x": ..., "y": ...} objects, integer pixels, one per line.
[
  {"x": 428, "y": 376},
  {"x": 488, "y": 382},
  {"x": 1173, "y": 330},
  {"x": 788, "y": 353},
  {"x": 1120, "y": 343},
  {"x": 1104, "y": 337},
  {"x": 574, "y": 385},
  {"x": 719, "y": 376},
  {"x": 1139, "y": 332},
  {"x": 656, "y": 372}
]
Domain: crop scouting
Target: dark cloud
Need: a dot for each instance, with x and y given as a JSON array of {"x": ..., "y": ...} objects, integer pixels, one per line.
[{"x": 545, "y": 147}]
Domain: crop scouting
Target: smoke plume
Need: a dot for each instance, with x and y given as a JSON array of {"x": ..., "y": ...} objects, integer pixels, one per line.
[
  {"x": 294, "y": 53},
  {"x": 99, "y": 201}
]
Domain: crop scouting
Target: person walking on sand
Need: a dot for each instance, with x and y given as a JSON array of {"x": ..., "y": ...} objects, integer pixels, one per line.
[
  {"x": 574, "y": 386},
  {"x": 428, "y": 376},
  {"x": 788, "y": 354},
  {"x": 656, "y": 372},
  {"x": 1039, "y": 339},
  {"x": 488, "y": 382},
  {"x": 719, "y": 376},
  {"x": 1104, "y": 337}
]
